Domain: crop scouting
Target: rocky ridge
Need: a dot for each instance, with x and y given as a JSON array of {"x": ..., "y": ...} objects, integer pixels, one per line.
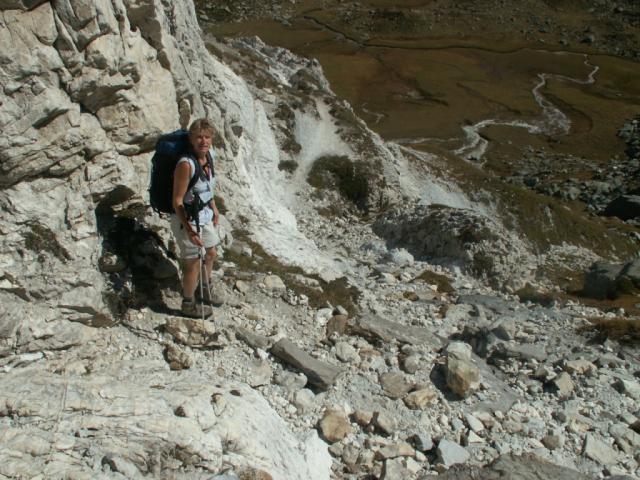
[{"x": 417, "y": 367}]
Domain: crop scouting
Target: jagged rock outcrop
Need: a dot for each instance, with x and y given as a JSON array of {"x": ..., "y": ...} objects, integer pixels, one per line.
[{"x": 459, "y": 236}]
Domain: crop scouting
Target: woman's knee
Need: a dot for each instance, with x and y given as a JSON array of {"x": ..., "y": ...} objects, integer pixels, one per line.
[{"x": 211, "y": 254}]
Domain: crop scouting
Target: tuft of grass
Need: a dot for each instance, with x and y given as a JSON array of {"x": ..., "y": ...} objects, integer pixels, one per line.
[
  {"x": 289, "y": 166},
  {"x": 442, "y": 282},
  {"x": 341, "y": 174},
  {"x": 337, "y": 292},
  {"x": 622, "y": 329}
]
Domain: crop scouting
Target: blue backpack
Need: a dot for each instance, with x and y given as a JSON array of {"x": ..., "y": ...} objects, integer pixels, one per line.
[{"x": 169, "y": 149}]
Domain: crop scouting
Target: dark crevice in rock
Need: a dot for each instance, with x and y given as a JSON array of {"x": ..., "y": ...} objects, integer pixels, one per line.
[{"x": 134, "y": 259}]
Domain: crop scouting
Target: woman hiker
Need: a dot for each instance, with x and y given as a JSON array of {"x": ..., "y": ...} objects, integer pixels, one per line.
[{"x": 195, "y": 220}]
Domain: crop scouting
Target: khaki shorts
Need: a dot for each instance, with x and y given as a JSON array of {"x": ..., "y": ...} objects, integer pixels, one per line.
[{"x": 188, "y": 250}]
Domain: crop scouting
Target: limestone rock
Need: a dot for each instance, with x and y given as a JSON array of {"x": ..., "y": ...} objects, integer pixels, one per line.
[
  {"x": 563, "y": 385},
  {"x": 395, "y": 450},
  {"x": 363, "y": 417},
  {"x": 253, "y": 339},
  {"x": 395, "y": 385},
  {"x": 260, "y": 373},
  {"x": 346, "y": 353},
  {"x": 375, "y": 327},
  {"x": 462, "y": 375},
  {"x": 385, "y": 422},
  {"x": 411, "y": 363},
  {"x": 450, "y": 453},
  {"x": 580, "y": 367},
  {"x": 629, "y": 388},
  {"x": 395, "y": 469},
  {"x": 597, "y": 450},
  {"x": 421, "y": 441},
  {"x": 274, "y": 283},
  {"x": 304, "y": 400},
  {"x": 334, "y": 425},
  {"x": 421, "y": 399},
  {"x": 553, "y": 442}
]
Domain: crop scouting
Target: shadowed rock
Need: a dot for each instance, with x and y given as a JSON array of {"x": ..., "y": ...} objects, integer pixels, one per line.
[
  {"x": 377, "y": 328},
  {"x": 624, "y": 207},
  {"x": 526, "y": 467}
]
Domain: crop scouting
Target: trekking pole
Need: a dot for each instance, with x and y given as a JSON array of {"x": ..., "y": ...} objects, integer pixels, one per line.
[{"x": 201, "y": 257}]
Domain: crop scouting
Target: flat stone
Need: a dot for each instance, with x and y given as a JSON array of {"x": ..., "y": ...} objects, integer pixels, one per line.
[
  {"x": 320, "y": 374},
  {"x": 553, "y": 442},
  {"x": 580, "y": 367},
  {"x": 421, "y": 441},
  {"x": 334, "y": 425},
  {"x": 253, "y": 339},
  {"x": 304, "y": 400},
  {"x": 395, "y": 450},
  {"x": 493, "y": 304},
  {"x": 411, "y": 364},
  {"x": 563, "y": 385},
  {"x": 450, "y": 453},
  {"x": 625, "y": 437},
  {"x": 377, "y": 328},
  {"x": 474, "y": 438},
  {"x": 242, "y": 286},
  {"x": 385, "y": 422},
  {"x": 504, "y": 329},
  {"x": 274, "y": 283},
  {"x": 363, "y": 417},
  {"x": 259, "y": 373},
  {"x": 421, "y": 399},
  {"x": 599, "y": 451},
  {"x": 474, "y": 424},
  {"x": 347, "y": 353},
  {"x": 395, "y": 385},
  {"x": 291, "y": 381},
  {"x": 459, "y": 350},
  {"x": 395, "y": 469},
  {"x": 525, "y": 352},
  {"x": 516, "y": 467},
  {"x": 629, "y": 388}
]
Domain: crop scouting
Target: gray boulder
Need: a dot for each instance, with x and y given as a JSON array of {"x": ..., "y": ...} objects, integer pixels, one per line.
[{"x": 625, "y": 207}]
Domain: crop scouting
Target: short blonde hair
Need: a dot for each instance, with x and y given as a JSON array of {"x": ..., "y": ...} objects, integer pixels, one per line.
[{"x": 202, "y": 125}]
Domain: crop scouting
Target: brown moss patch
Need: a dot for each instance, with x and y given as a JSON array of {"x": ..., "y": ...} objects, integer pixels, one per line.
[
  {"x": 622, "y": 329},
  {"x": 336, "y": 292},
  {"x": 441, "y": 281},
  {"x": 40, "y": 239}
]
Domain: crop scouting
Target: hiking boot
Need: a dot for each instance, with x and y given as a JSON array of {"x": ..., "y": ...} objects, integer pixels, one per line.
[
  {"x": 213, "y": 297},
  {"x": 191, "y": 308}
]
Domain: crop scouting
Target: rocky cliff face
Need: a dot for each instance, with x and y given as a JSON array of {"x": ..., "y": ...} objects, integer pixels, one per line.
[{"x": 87, "y": 89}]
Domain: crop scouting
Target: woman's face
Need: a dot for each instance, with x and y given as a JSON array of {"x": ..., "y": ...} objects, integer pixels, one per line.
[{"x": 201, "y": 141}]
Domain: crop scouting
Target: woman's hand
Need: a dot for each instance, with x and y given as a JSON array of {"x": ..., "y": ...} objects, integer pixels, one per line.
[{"x": 194, "y": 237}]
